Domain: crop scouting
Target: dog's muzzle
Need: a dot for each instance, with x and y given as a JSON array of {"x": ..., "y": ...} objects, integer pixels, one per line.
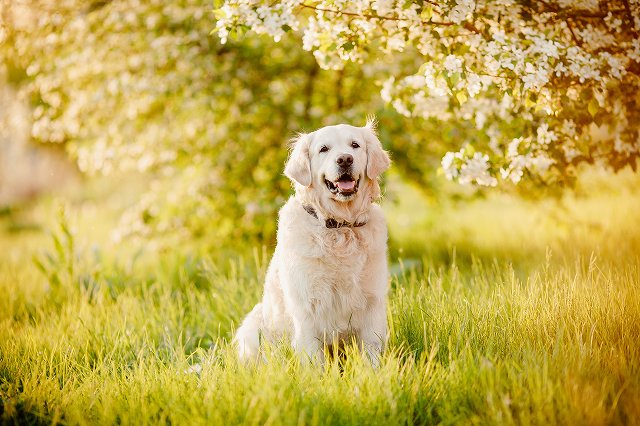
[{"x": 345, "y": 185}]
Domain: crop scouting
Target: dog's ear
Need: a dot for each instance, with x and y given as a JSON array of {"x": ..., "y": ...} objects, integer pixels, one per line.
[
  {"x": 298, "y": 167},
  {"x": 377, "y": 158}
]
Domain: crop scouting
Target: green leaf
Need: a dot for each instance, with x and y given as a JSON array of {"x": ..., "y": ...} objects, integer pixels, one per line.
[
  {"x": 348, "y": 46},
  {"x": 462, "y": 49},
  {"x": 528, "y": 103},
  {"x": 461, "y": 97},
  {"x": 218, "y": 14},
  {"x": 516, "y": 91},
  {"x": 593, "y": 107},
  {"x": 452, "y": 79},
  {"x": 427, "y": 13}
]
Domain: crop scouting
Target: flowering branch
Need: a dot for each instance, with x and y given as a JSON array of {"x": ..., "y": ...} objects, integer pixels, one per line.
[
  {"x": 531, "y": 85},
  {"x": 369, "y": 16}
]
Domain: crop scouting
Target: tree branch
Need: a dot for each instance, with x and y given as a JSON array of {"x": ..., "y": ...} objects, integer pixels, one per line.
[
  {"x": 576, "y": 14},
  {"x": 369, "y": 16},
  {"x": 627, "y": 9},
  {"x": 309, "y": 90},
  {"x": 573, "y": 34}
]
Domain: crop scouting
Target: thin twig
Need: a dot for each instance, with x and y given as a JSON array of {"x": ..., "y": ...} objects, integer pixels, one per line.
[
  {"x": 627, "y": 9},
  {"x": 569, "y": 13},
  {"x": 365, "y": 15},
  {"x": 573, "y": 34}
]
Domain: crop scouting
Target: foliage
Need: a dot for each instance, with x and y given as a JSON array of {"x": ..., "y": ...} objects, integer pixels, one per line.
[
  {"x": 143, "y": 86},
  {"x": 532, "y": 79}
]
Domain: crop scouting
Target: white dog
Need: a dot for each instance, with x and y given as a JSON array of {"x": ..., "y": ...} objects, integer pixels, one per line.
[{"x": 328, "y": 278}]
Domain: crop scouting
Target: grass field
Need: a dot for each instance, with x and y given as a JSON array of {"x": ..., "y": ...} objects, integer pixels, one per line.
[{"x": 502, "y": 311}]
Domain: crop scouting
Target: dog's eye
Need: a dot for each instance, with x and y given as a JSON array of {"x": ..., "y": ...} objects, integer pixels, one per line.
[
  {"x": 324, "y": 149},
  {"x": 355, "y": 145}
]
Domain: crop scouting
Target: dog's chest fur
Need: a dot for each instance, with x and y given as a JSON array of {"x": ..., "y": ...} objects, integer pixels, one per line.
[
  {"x": 336, "y": 291},
  {"x": 333, "y": 263}
]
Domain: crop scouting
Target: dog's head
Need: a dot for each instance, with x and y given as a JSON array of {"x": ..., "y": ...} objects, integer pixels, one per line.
[{"x": 337, "y": 161}]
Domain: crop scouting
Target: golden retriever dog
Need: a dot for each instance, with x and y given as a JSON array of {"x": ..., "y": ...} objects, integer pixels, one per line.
[{"x": 328, "y": 279}]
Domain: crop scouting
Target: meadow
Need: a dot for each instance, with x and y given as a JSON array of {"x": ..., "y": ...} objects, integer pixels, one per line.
[{"x": 502, "y": 311}]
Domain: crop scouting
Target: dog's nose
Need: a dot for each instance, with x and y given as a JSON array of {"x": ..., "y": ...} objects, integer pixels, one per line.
[{"x": 345, "y": 160}]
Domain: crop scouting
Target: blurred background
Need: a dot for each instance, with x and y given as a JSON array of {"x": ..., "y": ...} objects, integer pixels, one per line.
[{"x": 129, "y": 121}]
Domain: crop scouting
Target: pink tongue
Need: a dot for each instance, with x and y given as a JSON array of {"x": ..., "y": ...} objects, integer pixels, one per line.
[{"x": 346, "y": 185}]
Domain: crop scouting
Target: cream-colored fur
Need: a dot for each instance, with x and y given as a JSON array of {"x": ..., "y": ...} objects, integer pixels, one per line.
[{"x": 326, "y": 284}]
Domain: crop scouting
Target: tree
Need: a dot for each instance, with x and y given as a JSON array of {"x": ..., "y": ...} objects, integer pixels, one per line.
[
  {"x": 533, "y": 88},
  {"x": 142, "y": 86}
]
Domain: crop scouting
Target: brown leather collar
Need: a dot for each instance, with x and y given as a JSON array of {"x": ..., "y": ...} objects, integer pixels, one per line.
[{"x": 332, "y": 223}]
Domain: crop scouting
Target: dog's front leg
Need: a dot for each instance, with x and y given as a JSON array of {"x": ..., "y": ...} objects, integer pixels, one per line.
[
  {"x": 373, "y": 331},
  {"x": 305, "y": 342}
]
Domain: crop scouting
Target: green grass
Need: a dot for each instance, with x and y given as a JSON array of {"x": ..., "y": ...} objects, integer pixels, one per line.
[{"x": 525, "y": 319}]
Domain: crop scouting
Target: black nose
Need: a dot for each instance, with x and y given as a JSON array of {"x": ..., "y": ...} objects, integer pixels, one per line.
[{"x": 345, "y": 160}]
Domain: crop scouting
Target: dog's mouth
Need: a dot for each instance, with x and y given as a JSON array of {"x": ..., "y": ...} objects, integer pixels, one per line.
[{"x": 345, "y": 185}]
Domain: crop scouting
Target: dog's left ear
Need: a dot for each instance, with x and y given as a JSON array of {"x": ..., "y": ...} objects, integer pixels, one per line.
[
  {"x": 298, "y": 167},
  {"x": 377, "y": 158}
]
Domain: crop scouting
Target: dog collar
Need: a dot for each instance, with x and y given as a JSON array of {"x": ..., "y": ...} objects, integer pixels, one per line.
[{"x": 332, "y": 223}]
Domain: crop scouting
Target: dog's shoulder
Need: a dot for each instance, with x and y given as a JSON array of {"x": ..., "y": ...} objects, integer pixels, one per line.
[
  {"x": 377, "y": 224},
  {"x": 295, "y": 225},
  {"x": 376, "y": 215},
  {"x": 292, "y": 214}
]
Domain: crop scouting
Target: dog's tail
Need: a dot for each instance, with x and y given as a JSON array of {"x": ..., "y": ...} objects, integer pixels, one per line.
[{"x": 247, "y": 338}]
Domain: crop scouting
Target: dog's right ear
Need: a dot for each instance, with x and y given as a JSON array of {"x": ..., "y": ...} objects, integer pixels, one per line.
[
  {"x": 377, "y": 158},
  {"x": 298, "y": 167}
]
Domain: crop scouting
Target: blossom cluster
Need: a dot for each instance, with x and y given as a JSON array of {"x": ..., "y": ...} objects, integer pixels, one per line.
[{"x": 493, "y": 62}]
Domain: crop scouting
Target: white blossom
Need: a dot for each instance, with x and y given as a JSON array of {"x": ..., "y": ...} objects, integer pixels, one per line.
[
  {"x": 450, "y": 170},
  {"x": 476, "y": 169},
  {"x": 461, "y": 10},
  {"x": 474, "y": 84},
  {"x": 452, "y": 64},
  {"x": 545, "y": 136}
]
